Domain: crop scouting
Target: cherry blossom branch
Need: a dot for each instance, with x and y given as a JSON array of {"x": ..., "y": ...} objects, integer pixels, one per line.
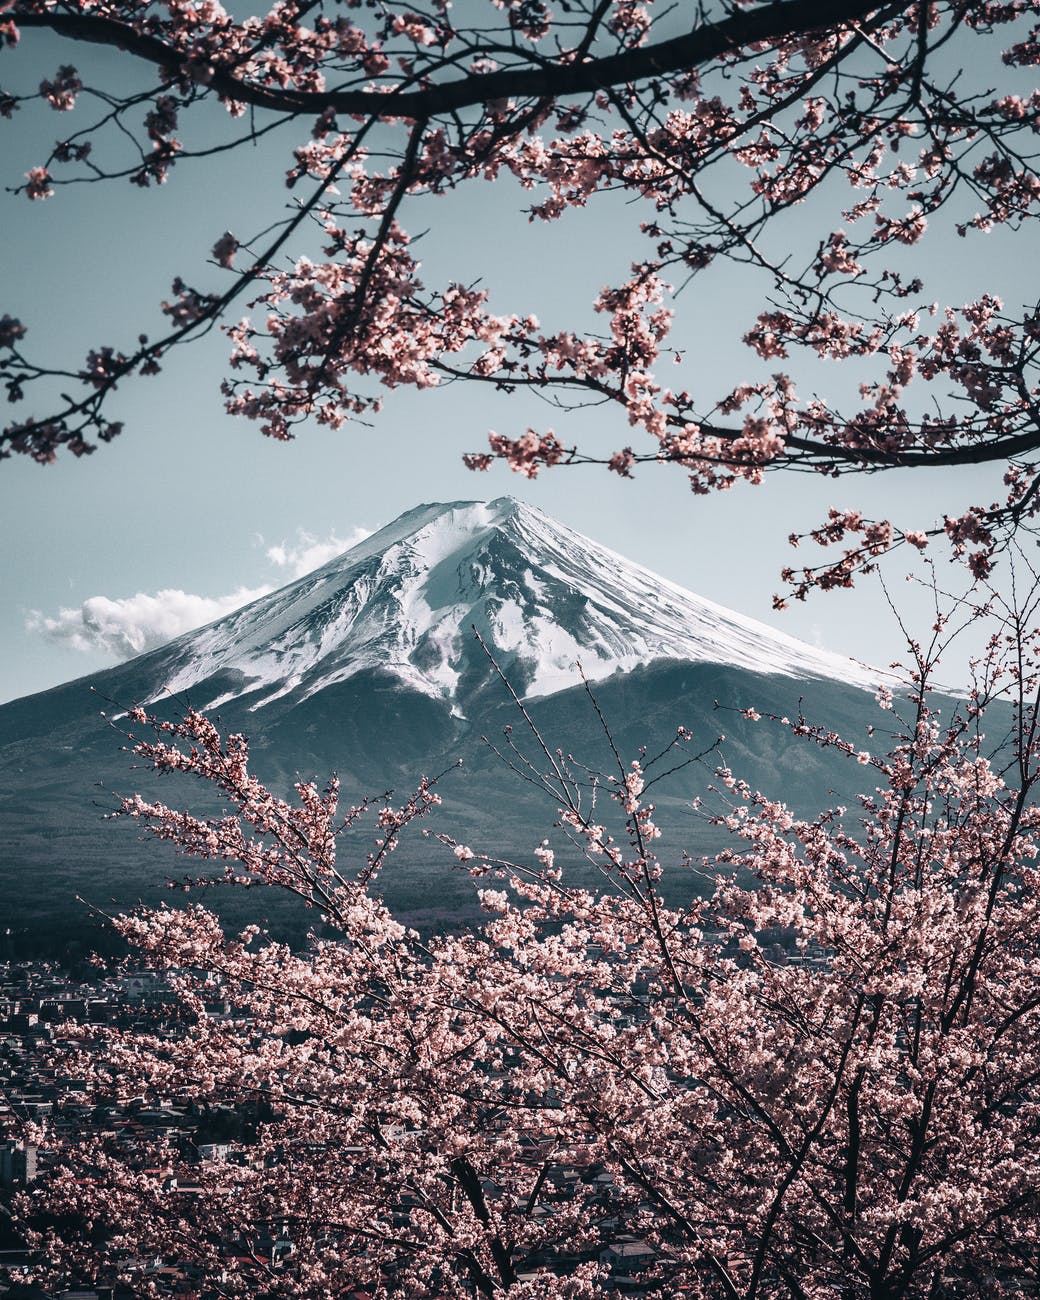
[{"x": 783, "y": 19}]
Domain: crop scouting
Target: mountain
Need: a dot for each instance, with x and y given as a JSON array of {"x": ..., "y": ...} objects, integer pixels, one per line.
[
  {"x": 405, "y": 602},
  {"x": 369, "y": 665}
]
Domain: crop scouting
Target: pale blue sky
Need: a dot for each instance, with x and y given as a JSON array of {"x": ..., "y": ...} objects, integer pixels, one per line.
[{"x": 191, "y": 499}]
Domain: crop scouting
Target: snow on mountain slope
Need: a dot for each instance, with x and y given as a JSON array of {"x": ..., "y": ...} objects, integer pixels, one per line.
[{"x": 543, "y": 596}]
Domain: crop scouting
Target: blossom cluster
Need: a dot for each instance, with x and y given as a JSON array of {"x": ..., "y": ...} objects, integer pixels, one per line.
[
  {"x": 714, "y": 135},
  {"x": 818, "y": 1075}
]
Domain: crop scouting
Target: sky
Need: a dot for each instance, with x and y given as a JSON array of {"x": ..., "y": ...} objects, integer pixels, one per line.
[{"x": 191, "y": 511}]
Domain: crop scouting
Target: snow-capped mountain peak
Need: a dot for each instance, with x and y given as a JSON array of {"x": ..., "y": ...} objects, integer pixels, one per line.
[{"x": 406, "y": 600}]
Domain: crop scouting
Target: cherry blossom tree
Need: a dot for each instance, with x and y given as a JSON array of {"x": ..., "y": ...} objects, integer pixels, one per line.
[
  {"x": 822, "y": 1077},
  {"x": 891, "y": 125}
]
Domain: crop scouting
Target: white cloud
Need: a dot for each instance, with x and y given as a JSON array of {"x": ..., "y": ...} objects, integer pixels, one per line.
[
  {"x": 309, "y": 552},
  {"x": 131, "y": 625},
  {"x": 126, "y": 626}
]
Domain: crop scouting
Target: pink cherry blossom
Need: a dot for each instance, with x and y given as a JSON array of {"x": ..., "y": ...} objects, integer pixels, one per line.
[
  {"x": 38, "y": 183},
  {"x": 816, "y": 1076},
  {"x": 869, "y": 131}
]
